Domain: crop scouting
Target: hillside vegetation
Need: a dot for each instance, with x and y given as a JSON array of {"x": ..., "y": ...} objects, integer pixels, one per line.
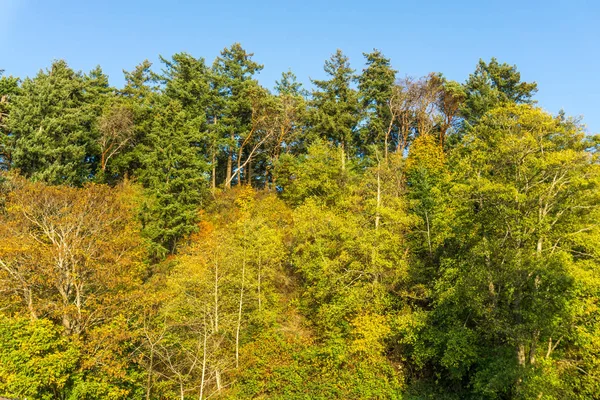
[{"x": 194, "y": 235}]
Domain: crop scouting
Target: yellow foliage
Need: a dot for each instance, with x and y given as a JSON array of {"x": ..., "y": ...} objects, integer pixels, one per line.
[
  {"x": 427, "y": 153},
  {"x": 370, "y": 331}
]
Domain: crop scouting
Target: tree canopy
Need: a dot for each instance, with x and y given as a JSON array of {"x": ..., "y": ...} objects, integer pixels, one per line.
[{"x": 194, "y": 235}]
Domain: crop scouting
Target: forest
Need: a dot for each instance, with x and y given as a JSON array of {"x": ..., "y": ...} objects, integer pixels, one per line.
[{"x": 196, "y": 235}]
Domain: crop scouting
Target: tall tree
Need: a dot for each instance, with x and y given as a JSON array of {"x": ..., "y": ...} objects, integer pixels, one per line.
[
  {"x": 335, "y": 112},
  {"x": 493, "y": 84},
  {"x": 188, "y": 80},
  {"x": 67, "y": 254},
  {"x": 53, "y": 124},
  {"x": 139, "y": 95},
  {"x": 525, "y": 192},
  {"x": 289, "y": 122},
  {"x": 9, "y": 88},
  {"x": 233, "y": 79},
  {"x": 175, "y": 173},
  {"x": 375, "y": 86}
]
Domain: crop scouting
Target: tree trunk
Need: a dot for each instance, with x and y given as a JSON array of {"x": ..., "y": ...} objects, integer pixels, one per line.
[
  {"x": 249, "y": 174},
  {"x": 202, "y": 379},
  {"x": 214, "y": 160},
  {"x": 534, "y": 341},
  {"x": 259, "y": 282},
  {"x": 239, "y": 321},
  {"x": 216, "y": 294},
  {"x": 29, "y": 295},
  {"x": 216, "y": 326},
  {"x": 218, "y": 380},
  {"x": 428, "y": 235},
  {"x": 229, "y": 163},
  {"x": 521, "y": 354},
  {"x": 214, "y": 172},
  {"x": 377, "y": 215},
  {"x": 149, "y": 380},
  {"x": 239, "y": 168}
]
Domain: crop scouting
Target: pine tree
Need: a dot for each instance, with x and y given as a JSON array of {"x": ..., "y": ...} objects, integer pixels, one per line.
[
  {"x": 493, "y": 84},
  {"x": 139, "y": 95},
  {"x": 188, "y": 80},
  {"x": 335, "y": 109},
  {"x": 53, "y": 122},
  {"x": 9, "y": 89},
  {"x": 233, "y": 80},
  {"x": 375, "y": 86},
  {"x": 175, "y": 173}
]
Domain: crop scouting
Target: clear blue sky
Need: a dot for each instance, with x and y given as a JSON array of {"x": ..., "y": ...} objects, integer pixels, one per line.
[{"x": 556, "y": 43}]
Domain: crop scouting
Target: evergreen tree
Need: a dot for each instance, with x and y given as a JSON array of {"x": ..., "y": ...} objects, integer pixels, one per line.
[
  {"x": 375, "y": 86},
  {"x": 175, "y": 173},
  {"x": 139, "y": 95},
  {"x": 493, "y": 84},
  {"x": 233, "y": 80},
  {"x": 334, "y": 106},
  {"x": 288, "y": 85},
  {"x": 53, "y": 123},
  {"x": 9, "y": 89},
  {"x": 189, "y": 81}
]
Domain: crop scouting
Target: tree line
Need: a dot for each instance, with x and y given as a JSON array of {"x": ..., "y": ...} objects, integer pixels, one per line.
[{"x": 194, "y": 234}]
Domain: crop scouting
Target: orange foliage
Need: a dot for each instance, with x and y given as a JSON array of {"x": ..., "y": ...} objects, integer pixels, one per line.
[{"x": 70, "y": 254}]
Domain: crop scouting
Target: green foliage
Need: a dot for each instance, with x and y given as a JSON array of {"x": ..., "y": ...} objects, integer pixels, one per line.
[
  {"x": 172, "y": 170},
  {"x": 375, "y": 86},
  {"x": 522, "y": 181},
  {"x": 320, "y": 174},
  {"x": 233, "y": 81},
  {"x": 277, "y": 367},
  {"x": 415, "y": 239},
  {"x": 52, "y": 125},
  {"x": 492, "y": 85},
  {"x": 35, "y": 360},
  {"x": 335, "y": 112},
  {"x": 9, "y": 89},
  {"x": 140, "y": 94}
]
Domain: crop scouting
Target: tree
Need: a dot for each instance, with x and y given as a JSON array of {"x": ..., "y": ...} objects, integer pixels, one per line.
[
  {"x": 116, "y": 132},
  {"x": 426, "y": 106},
  {"x": 287, "y": 120},
  {"x": 320, "y": 174},
  {"x": 188, "y": 81},
  {"x": 263, "y": 127},
  {"x": 140, "y": 95},
  {"x": 525, "y": 189},
  {"x": 233, "y": 79},
  {"x": 221, "y": 290},
  {"x": 335, "y": 110},
  {"x": 67, "y": 254},
  {"x": 175, "y": 173},
  {"x": 493, "y": 84},
  {"x": 427, "y": 177},
  {"x": 53, "y": 126},
  {"x": 375, "y": 86},
  {"x": 35, "y": 360},
  {"x": 9, "y": 88}
]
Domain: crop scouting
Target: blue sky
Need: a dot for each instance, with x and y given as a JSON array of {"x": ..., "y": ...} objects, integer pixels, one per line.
[{"x": 556, "y": 43}]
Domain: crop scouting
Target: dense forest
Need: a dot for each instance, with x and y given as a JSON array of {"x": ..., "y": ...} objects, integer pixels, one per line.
[{"x": 195, "y": 235}]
